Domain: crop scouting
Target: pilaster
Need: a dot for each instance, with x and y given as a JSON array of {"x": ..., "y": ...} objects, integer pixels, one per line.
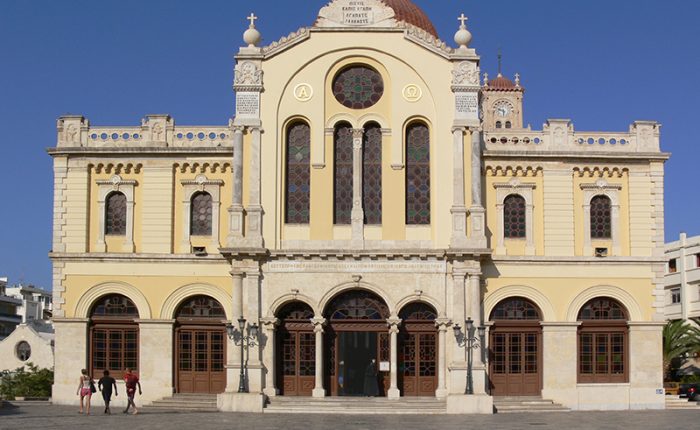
[{"x": 357, "y": 215}]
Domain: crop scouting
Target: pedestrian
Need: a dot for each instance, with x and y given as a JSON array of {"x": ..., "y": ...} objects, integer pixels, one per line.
[
  {"x": 132, "y": 381},
  {"x": 85, "y": 387},
  {"x": 105, "y": 385},
  {"x": 371, "y": 385}
]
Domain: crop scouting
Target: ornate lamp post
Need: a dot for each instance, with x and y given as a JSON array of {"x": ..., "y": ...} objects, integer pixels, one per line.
[
  {"x": 245, "y": 337},
  {"x": 470, "y": 343}
]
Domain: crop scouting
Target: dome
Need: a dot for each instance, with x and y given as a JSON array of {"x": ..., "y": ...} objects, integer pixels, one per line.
[
  {"x": 502, "y": 83},
  {"x": 410, "y": 13}
]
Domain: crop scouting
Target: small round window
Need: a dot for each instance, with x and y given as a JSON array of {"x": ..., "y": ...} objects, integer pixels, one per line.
[
  {"x": 358, "y": 87},
  {"x": 24, "y": 351}
]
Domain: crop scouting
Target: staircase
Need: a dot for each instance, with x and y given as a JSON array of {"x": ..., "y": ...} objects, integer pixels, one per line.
[
  {"x": 185, "y": 403},
  {"x": 355, "y": 405},
  {"x": 675, "y": 402},
  {"x": 510, "y": 405}
]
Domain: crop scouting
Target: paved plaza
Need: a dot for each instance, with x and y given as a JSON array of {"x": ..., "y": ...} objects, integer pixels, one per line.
[{"x": 59, "y": 417}]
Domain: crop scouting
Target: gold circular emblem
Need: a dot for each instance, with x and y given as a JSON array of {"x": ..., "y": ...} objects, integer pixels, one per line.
[
  {"x": 303, "y": 92},
  {"x": 412, "y": 93}
]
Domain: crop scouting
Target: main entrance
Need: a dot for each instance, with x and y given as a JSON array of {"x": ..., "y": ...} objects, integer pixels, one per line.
[
  {"x": 515, "y": 349},
  {"x": 200, "y": 344}
]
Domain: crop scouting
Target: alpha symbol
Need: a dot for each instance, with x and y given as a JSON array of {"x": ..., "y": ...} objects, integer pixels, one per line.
[{"x": 303, "y": 92}]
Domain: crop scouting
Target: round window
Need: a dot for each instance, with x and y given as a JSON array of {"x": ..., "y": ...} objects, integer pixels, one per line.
[
  {"x": 358, "y": 87},
  {"x": 24, "y": 351}
]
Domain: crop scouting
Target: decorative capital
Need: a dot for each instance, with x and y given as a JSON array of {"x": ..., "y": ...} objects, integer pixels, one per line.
[
  {"x": 248, "y": 77},
  {"x": 443, "y": 323},
  {"x": 270, "y": 322},
  {"x": 358, "y": 133},
  {"x": 318, "y": 324}
]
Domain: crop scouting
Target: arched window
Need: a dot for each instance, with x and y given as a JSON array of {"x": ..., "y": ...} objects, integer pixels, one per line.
[
  {"x": 514, "y": 217},
  {"x": 601, "y": 217},
  {"x": 499, "y": 124},
  {"x": 342, "y": 172},
  {"x": 372, "y": 174},
  {"x": 200, "y": 214},
  {"x": 516, "y": 309},
  {"x": 509, "y": 124},
  {"x": 114, "y": 335},
  {"x": 602, "y": 343},
  {"x": 298, "y": 174},
  {"x": 417, "y": 174},
  {"x": 201, "y": 307},
  {"x": 115, "y": 214},
  {"x": 417, "y": 311},
  {"x": 358, "y": 305}
]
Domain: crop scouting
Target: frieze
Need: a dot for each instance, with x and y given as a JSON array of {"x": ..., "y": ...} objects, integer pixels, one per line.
[{"x": 356, "y": 267}]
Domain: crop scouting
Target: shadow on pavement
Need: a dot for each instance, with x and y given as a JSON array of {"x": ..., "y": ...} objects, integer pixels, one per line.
[{"x": 7, "y": 408}]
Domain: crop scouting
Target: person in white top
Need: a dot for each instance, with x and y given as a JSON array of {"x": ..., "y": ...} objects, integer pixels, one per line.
[{"x": 85, "y": 391}]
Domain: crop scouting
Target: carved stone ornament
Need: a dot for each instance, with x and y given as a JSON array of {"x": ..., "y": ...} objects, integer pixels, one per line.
[
  {"x": 248, "y": 74},
  {"x": 356, "y": 13},
  {"x": 465, "y": 73},
  {"x": 71, "y": 134}
]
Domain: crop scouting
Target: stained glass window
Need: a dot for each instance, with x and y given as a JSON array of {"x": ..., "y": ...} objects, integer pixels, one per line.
[
  {"x": 358, "y": 87},
  {"x": 298, "y": 173},
  {"x": 342, "y": 173},
  {"x": 602, "y": 354},
  {"x": 515, "y": 309},
  {"x": 418, "y": 174},
  {"x": 296, "y": 311},
  {"x": 372, "y": 174},
  {"x": 358, "y": 305},
  {"x": 514, "y": 212},
  {"x": 201, "y": 307},
  {"x": 418, "y": 311},
  {"x": 115, "y": 214},
  {"x": 602, "y": 309},
  {"x": 115, "y": 305},
  {"x": 200, "y": 214},
  {"x": 601, "y": 218}
]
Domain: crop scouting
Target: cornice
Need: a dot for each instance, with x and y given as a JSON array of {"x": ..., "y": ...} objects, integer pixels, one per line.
[{"x": 85, "y": 151}]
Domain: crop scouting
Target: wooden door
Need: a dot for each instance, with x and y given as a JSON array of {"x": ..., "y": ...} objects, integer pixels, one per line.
[
  {"x": 201, "y": 357},
  {"x": 515, "y": 363},
  {"x": 297, "y": 366},
  {"x": 418, "y": 363}
]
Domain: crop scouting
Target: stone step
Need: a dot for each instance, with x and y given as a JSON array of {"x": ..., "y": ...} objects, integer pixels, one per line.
[
  {"x": 186, "y": 402},
  {"x": 355, "y": 406},
  {"x": 674, "y": 402},
  {"x": 505, "y": 405}
]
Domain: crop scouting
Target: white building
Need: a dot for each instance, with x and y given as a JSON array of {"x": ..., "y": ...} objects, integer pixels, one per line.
[
  {"x": 683, "y": 278},
  {"x": 36, "y": 303},
  {"x": 8, "y": 311}
]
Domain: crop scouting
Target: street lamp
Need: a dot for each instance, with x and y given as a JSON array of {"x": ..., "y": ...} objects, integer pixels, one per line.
[
  {"x": 245, "y": 338},
  {"x": 470, "y": 343}
]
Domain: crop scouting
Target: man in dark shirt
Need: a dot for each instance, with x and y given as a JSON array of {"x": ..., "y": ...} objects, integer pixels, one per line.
[{"x": 105, "y": 384}]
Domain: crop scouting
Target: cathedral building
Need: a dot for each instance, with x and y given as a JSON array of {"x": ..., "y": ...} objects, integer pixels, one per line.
[{"x": 376, "y": 210}]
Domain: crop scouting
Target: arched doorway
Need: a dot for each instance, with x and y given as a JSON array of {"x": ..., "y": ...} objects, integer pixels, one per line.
[
  {"x": 200, "y": 345},
  {"x": 296, "y": 350},
  {"x": 357, "y": 334},
  {"x": 114, "y": 336},
  {"x": 515, "y": 347},
  {"x": 418, "y": 350}
]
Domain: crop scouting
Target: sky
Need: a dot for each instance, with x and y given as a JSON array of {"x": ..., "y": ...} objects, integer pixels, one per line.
[{"x": 602, "y": 63}]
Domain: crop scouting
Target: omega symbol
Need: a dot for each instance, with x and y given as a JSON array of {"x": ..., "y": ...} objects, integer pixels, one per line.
[
  {"x": 412, "y": 93},
  {"x": 303, "y": 92}
]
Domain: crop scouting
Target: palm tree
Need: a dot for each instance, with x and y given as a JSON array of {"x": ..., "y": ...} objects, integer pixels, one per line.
[{"x": 680, "y": 338}]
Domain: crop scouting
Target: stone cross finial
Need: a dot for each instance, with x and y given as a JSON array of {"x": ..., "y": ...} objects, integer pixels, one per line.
[
  {"x": 463, "y": 19},
  {"x": 252, "y": 19},
  {"x": 517, "y": 79}
]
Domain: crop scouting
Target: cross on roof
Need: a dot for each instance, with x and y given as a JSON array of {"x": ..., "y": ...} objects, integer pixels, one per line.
[
  {"x": 463, "y": 19},
  {"x": 252, "y": 19}
]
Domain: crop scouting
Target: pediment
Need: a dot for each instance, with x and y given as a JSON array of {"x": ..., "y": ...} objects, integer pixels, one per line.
[{"x": 356, "y": 14}]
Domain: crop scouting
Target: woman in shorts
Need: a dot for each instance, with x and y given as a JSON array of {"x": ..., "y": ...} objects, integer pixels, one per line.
[{"x": 85, "y": 391}]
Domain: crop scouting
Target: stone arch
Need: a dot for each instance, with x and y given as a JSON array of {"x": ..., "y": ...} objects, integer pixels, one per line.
[
  {"x": 535, "y": 296},
  {"x": 633, "y": 309},
  {"x": 175, "y": 299},
  {"x": 334, "y": 120},
  {"x": 349, "y": 286},
  {"x": 283, "y": 300},
  {"x": 423, "y": 298},
  {"x": 373, "y": 117},
  {"x": 87, "y": 301}
]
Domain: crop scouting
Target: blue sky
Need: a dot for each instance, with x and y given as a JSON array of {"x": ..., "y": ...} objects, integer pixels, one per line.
[{"x": 602, "y": 63}]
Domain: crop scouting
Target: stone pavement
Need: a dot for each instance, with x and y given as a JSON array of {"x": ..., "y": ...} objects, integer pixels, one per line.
[{"x": 29, "y": 417}]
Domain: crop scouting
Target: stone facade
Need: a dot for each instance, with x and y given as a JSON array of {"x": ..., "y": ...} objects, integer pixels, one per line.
[{"x": 460, "y": 264}]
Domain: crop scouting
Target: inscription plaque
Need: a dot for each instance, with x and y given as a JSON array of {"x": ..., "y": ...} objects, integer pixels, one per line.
[
  {"x": 467, "y": 105},
  {"x": 248, "y": 104}
]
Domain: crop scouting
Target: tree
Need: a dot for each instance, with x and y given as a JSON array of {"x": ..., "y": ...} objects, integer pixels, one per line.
[
  {"x": 32, "y": 383},
  {"x": 680, "y": 338}
]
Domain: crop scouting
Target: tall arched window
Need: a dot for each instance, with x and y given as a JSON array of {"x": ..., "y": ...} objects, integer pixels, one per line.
[
  {"x": 601, "y": 217},
  {"x": 342, "y": 172},
  {"x": 602, "y": 342},
  {"x": 514, "y": 217},
  {"x": 114, "y": 335},
  {"x": 115, "y": 214},
  {"x": 298, "y": 174},
  {"x": 200, "y": 214},
  {"x": 418, "y": 174},
  {"x": 372, "y": 174}
]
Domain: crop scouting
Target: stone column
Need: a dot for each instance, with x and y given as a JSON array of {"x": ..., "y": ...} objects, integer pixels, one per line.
[
  {"x": 233, "y": 352},
  {"x": 155, "y": 358},
  {"x": 458, "y": 210},
  {"x": 236, "y": 210},
  {"x": 318, "y": 324},
  {"x": 357, "y": 215},
  {"x": 270, "y": 326},
  {"x": 393, "y": 392},
  {"x": 255, "y": 210},
  {"x": 442, "y": 326},
  {"x": 477, "y": 212},
  {"x": 70, "y": 352},
  {"x": 458, "y": 364},
  {"x": 474, "y": 310}
]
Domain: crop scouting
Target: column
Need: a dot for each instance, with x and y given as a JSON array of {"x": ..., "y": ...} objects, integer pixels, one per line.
[
  {"x": 236, "y": 210},
  {"x": 477, "y": 212},
  {"x": 357, "y": 215},
  {"x": 458, "y": 210},
  {"x": 474, "y": 309},
  {"x": 393, "y": 392},
  {"x": 254, "y": 210},
  {"x": 442, "y": 325},
  {"x": 318, "y": 324},
  {"x": 269, "y": 326},
  {"x": 234, "y": 352}
]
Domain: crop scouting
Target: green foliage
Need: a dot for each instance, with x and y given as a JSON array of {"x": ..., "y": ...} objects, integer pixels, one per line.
[
  {"x": 33, "y": 382},
  {"x": 690, "y": 379},
  {"x": 680, "y": 338}
]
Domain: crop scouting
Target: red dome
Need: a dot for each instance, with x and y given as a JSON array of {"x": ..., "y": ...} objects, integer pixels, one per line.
[
  {"x": 408, "y": 12},
  {"x": 502, "y": 83}
]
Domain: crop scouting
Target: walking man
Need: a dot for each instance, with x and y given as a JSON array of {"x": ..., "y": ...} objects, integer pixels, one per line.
[
  {"x": 132, "y": 381},
  {"x": 105, "y": 385}
]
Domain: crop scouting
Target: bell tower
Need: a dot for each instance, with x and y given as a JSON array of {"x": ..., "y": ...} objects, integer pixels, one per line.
[{"x": 502, "y": 101}]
